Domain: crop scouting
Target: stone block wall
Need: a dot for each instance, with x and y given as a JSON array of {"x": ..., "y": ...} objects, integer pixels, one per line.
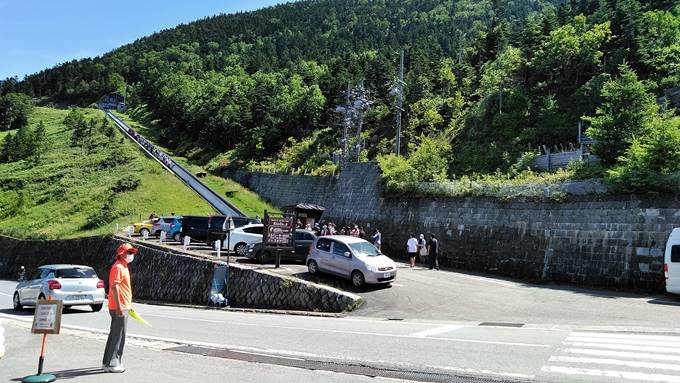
[
  {"x": 614, "y": 241},
  {"x": 158, "y": 275}
]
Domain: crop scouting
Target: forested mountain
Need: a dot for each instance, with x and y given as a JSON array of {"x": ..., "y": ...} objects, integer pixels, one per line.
[{"x": 491, "y": 78}]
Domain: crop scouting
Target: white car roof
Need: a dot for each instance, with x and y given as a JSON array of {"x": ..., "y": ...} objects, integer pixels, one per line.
[
  {"x": 345, "y": 238},
  {"x": 64, "y": 266},
  {"x": 249, "y": 226}
]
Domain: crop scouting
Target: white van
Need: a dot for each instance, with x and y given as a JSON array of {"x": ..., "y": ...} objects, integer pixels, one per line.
[{"x": 671, "y": 266}]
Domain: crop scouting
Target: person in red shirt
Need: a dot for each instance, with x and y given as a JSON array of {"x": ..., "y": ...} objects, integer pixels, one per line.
[{"x": 120, "y": 301}]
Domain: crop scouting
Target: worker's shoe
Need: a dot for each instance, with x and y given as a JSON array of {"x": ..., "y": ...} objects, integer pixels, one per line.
[{"x": 116, "y": 369}]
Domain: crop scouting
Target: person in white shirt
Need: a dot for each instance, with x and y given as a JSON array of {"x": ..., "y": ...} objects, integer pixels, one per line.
[{"x": 412, "y": 249}]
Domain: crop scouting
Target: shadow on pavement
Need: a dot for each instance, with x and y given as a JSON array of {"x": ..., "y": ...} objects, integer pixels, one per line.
[
  {"x": 666, "y": 301},
  {"x": 72, "y": 373},
  {"x": 28, "y": 311},
  {"x": 339, "y": 283}
]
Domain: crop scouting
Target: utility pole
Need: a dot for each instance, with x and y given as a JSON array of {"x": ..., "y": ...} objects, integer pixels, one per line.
[{"x": 400, "y": 101}]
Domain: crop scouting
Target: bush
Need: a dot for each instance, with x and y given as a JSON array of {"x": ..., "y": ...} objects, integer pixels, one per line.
[
  {"x": 126, "y": 184},
  {"x": 397, "y": 172},
  {"x": 430, "y": 159},
  {"x": 651, "y": 163},
  {"x": 102, "y": 216}
]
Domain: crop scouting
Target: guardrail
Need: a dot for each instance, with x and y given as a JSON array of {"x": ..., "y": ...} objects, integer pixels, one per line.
[{"x": 215, "y": 200}]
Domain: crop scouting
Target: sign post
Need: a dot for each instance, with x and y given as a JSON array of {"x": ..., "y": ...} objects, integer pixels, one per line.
[
  {"x": 278, "y": 234},
  {"x": 46, "y": 320}
]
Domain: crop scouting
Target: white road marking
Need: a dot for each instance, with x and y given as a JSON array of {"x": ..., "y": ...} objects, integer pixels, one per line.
[
  {"x": 625, "y": 347},
  {"x": 638, "y": 376},
  {"x": 623, "y": 341},
  {"x": 621, "y": 354},
  {"x": 397, "y": 285},
  {"x": 7, "y": 295},
  {"x": 616, "y": 362},
  {"x": 435, "y": 331},
  {"x": 395, "y": 335},
  {"x": 666, "y": 338},
  {"x": 184, "y": 318},
  {"x": 487, "y": 280},
  {"x": 485, "y": 372}
]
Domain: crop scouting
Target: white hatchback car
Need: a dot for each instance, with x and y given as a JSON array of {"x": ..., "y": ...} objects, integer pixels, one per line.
[
  {"x": 74, "y": 285},
  {"x": 352, "y": 258},
  {"x": 243, "y": 236}
]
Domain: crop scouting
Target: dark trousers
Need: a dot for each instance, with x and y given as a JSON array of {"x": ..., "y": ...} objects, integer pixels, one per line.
[
  {"x": 434, "y": 261},
  {"x": 113, "y": 353}
]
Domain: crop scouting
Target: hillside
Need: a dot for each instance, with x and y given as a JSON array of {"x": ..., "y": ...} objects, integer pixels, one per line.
[
  {"x": 71, "y": 190},
  {"x": 486, "y": 80}
]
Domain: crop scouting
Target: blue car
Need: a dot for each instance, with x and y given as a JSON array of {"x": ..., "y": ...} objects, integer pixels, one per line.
[{"x": 172, "y": 226}]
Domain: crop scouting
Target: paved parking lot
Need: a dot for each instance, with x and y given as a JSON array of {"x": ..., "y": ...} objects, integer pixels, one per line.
[{"x": 420, "y": 293}]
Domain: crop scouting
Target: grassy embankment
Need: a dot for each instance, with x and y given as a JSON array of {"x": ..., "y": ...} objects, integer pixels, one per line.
[
  {"x": 56, "y": 196},
  {"x": 246, "y": 200}
]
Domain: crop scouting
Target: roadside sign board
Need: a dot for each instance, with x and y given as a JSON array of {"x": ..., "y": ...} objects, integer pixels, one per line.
[
  {"x": 47, "y": 317},
  {"x": 278, "y": 231}
]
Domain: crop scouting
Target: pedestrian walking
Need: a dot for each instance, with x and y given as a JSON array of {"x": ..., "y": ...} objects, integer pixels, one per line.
[
  {"x": 422, "y": 248},
  {"x": 377, "y": 239},
  {"x": 120, "y": 302},
  {"x": 412, "y": 250},
  {"x": 433, "y": 250}
]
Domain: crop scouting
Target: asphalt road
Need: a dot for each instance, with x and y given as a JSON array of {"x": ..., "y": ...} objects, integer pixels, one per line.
[
  {"x": 462, "y": 296},
  {"x": 550, "y": 351}
]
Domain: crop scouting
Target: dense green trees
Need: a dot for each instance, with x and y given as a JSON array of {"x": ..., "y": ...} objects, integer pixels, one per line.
[
  {"x": 490, "y": 78},
  {"x": 25, "y": 144},
  {"x": 14, "y": 110}
]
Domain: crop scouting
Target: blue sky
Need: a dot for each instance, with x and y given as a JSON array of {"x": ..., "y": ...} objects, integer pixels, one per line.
[{"x": 38, "y": 34}]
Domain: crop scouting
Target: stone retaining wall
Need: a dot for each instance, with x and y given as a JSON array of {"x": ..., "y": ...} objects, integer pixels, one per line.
[
  {"x": 614, "y": 241},
  {"x": 159, "y": 275}
]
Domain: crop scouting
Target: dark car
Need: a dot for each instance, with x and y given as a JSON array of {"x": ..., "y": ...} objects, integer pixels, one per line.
[
  {"x": 303, "y": 240},
  {"x": 210, "y": 229}
]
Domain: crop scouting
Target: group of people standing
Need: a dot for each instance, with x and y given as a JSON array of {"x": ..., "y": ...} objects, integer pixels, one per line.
[
  {"x": 354, "y": 231},
  {"x": 427, "y": 250}
]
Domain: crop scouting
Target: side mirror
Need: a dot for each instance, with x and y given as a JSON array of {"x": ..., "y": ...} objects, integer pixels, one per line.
[{"x": 347, "y": 254}]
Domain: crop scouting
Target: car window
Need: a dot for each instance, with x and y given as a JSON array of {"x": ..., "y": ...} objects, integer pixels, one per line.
[
  {"x": 308, "y": 237},
  {"x": 339, "y": 249},
  {"x": 324, "y": 244},
  {"x": 299, "y": 236},
  {"x": 675, "y": 253},
  {"x": 254, "y": 230},
  {"x": 36, "y": 274},
  {"x": 76, "y": 272},
  {"x": 45, "y": 273}
]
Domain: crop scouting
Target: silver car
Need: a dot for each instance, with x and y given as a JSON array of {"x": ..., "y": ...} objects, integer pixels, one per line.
[
  {"x": 74, "y": 285},
  {"x": 352, "y": 258}
]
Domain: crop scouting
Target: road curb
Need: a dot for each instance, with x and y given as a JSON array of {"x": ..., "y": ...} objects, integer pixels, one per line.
[{"x": 247, "y": 310}]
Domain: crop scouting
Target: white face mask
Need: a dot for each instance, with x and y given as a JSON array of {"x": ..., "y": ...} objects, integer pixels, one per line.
[{"x": 129, "y": 258}]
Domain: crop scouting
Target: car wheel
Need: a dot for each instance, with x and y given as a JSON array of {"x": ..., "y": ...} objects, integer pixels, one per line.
[
  {"x": 17, "y": 302},
  {"x": 263, "y": 257},
  {"x": 313, "y": 267},
  {"x": 358, "y": 278},
  {"x": 141, "y": 232},
  {"x": 241, "y": 249},
  {"x": 97, "y": 308},
  {"x": 177, "y": 237}
]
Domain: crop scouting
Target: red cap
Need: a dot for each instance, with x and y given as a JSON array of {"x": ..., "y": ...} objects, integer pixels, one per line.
[{"x": 125, "y": 249}]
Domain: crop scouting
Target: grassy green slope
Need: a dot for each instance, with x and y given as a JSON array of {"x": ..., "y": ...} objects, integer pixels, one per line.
[
  {"x": 54, "y": 197},
  {"x": 246, "y": 200}
]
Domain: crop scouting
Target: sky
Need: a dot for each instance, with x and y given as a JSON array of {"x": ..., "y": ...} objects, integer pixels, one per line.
[{"x": 38, "y": 34}]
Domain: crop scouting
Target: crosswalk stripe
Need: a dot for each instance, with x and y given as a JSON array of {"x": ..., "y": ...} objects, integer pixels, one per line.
[
  {"x": 622, "y": 354},
  {"x": 615, "y": 362},
  {"x": 630, "y": 375},
  {"x": 666, "y": 338},
  {"x": 625, "y": 347},
  {"x": 622, "y": 341}
]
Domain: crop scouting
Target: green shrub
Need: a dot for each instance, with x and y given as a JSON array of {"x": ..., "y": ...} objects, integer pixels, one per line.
[
  {"x": 126, "y": 184},
  {"x": 397, "y": 172},
  {"x": 102, "y": 216}
]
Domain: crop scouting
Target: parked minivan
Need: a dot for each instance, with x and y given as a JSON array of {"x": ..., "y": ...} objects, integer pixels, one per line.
[
  {"x": 351, "y": 258},
  {"x": 671, "y": 265}
]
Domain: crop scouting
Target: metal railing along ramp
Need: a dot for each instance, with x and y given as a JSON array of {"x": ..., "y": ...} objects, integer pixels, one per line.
[{"x": 215, "y": 200}]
